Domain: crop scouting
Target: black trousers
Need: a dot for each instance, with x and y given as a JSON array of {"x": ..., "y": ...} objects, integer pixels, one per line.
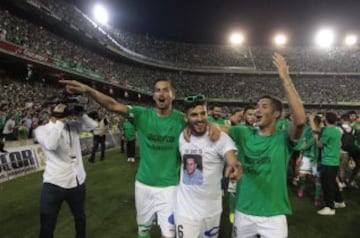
[
  {"x": 96, "y": 141},
  {"x": 329, "y": 185},
  {"x": 51, "y": 199},
  {"x": 130, "y": 148}
]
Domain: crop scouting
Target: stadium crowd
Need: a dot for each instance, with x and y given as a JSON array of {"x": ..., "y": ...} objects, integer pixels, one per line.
[{"x": 312, "y": 88}]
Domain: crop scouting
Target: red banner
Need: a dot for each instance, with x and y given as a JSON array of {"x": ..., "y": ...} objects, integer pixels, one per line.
[{"x": 24, "y": 52}]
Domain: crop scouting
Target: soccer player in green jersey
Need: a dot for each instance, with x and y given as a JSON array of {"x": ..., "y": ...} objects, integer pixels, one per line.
[
  {"x": 158, "y": 174},
  {"x": 262, "y": 200}
]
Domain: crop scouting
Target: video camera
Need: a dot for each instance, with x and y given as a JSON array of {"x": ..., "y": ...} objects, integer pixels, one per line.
[{"x": 75, "y": 104}]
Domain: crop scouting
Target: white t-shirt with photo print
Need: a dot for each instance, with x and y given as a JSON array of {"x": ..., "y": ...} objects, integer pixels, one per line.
[{"x": 201, "y": 200}]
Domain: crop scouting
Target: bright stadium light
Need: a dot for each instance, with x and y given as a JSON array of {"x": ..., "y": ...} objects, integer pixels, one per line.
[
  {"x": 100, "y": 14},
  {"x": 350, "y": 40},
  {"x": 237, "y": 38},
  {"x": 325, "y": 38},
  {"x": 280, "y": 39}
]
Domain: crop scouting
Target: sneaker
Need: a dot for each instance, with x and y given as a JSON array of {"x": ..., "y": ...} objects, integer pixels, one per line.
[
  {"x": 133, "y": 160},
  {"x": 326, "y": 211},
  {"x": 354, "y": 184},
  {"x": 300, "y": 193},
  {"x": 339, "y": 204},
  {"x": 317, "y": 203},
  {"x": 129, "y": 160}
]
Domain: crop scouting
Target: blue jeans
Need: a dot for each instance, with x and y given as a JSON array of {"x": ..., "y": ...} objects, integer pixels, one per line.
[{"x": 51, "y": 199}]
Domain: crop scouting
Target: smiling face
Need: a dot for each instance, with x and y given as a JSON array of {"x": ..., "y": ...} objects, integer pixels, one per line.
[
  {"x": 266, "y": 113},
  {"x": 216, "y": 113},
  {"x": 196, "y": 118},
  {"x": 163, "y": 95}
]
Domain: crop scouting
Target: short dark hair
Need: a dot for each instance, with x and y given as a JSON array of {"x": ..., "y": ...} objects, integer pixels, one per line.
[
  {"x": 235, "y": 110},
  {"x": 317, "y": 120},
  {"x": 331, "y": 117},
  {"x": 249, "y": 107},
  {"x": 345, "y": 117},
  {"x": 275, "y": 102},
  {"x": 194, "y": 104},
  {"x": 194, "y": 100}
]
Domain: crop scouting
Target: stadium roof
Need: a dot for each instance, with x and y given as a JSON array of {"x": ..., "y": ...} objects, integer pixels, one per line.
[{"x": 210, "y": 21}]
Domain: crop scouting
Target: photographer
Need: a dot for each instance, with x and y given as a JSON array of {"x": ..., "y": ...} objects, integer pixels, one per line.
[{"x": 64, "y": 176}]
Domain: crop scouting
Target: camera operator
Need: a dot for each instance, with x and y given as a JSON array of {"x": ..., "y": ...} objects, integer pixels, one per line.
[{"x": 64, "y": 175}]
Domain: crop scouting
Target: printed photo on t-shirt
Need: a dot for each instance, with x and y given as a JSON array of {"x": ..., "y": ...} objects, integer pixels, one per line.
[{"x": 193, "y": 169}]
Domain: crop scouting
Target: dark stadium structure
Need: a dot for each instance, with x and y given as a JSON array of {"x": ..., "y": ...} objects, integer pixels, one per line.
[{"x": 56, "y": 40}]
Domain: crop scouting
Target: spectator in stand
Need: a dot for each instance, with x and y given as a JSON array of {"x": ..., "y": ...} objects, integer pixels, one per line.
[{"x": 10, "y": 132}]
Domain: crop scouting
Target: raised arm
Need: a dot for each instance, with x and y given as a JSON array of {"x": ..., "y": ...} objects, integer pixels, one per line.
[
  {"x": 293, "y": 98},
  {"x": 109, "y": 103}
]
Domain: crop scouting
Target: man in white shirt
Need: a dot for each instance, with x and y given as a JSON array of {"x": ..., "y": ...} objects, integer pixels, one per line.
[
  {"x": 199, "y": 197},
  {"x": 64, "y": 175}
]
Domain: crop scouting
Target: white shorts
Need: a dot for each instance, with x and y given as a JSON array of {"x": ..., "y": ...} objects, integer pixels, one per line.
[
  {"x": 246, "y": 226},
  {"x": 151, "y": 201},
  {"x": 306, "y": 167},
  {"x": 204, "y": 228}
]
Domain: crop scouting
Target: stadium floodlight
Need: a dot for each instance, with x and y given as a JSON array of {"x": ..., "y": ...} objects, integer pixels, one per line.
[
  {"x": 100, "y": 14},
  {"x": 325, "y": 38},
  {"x": 280, "y": 39},
  {"x": 237, "y": 38},
  {"x": 350, "y": 40}
]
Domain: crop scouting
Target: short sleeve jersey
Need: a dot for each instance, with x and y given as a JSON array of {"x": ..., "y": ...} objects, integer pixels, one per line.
[
  {"x": 331, "y": 140},
  {"x": 263, "y": 188},
  {"x": 159, "y": 146},
  {"x": 202, "y": 198}
]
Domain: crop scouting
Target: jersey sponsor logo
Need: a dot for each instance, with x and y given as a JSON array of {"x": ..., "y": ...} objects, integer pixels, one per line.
[
  {"x": 212, "y": 232},
  {"x": 256, "y": 166},
  {"x": 171, "y": 219},
  {"x": 160, "y": 138}
]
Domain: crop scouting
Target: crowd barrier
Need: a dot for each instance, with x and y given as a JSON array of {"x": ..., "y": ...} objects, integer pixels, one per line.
[{"x": 25, "y": 157}]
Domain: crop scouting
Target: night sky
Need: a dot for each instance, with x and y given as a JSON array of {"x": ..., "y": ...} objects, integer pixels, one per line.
[{"x": 200, "y": 21}]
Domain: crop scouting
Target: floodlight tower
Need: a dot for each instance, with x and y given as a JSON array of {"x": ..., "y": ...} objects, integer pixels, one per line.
[
  {"x": 325, "y": 38},
  {"x": 237, "y": 38},
  {"x": 280, "y": 39},
  {"x": 350, "y": 40},
  {"x": 101, "y": 14}
]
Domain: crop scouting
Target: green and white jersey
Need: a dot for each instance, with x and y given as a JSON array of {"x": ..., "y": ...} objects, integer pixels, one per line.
[
  {"x": 331, "y": 140},
  {"x": 263, "y": 187},
  {"x": 159, "y": 146}
]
